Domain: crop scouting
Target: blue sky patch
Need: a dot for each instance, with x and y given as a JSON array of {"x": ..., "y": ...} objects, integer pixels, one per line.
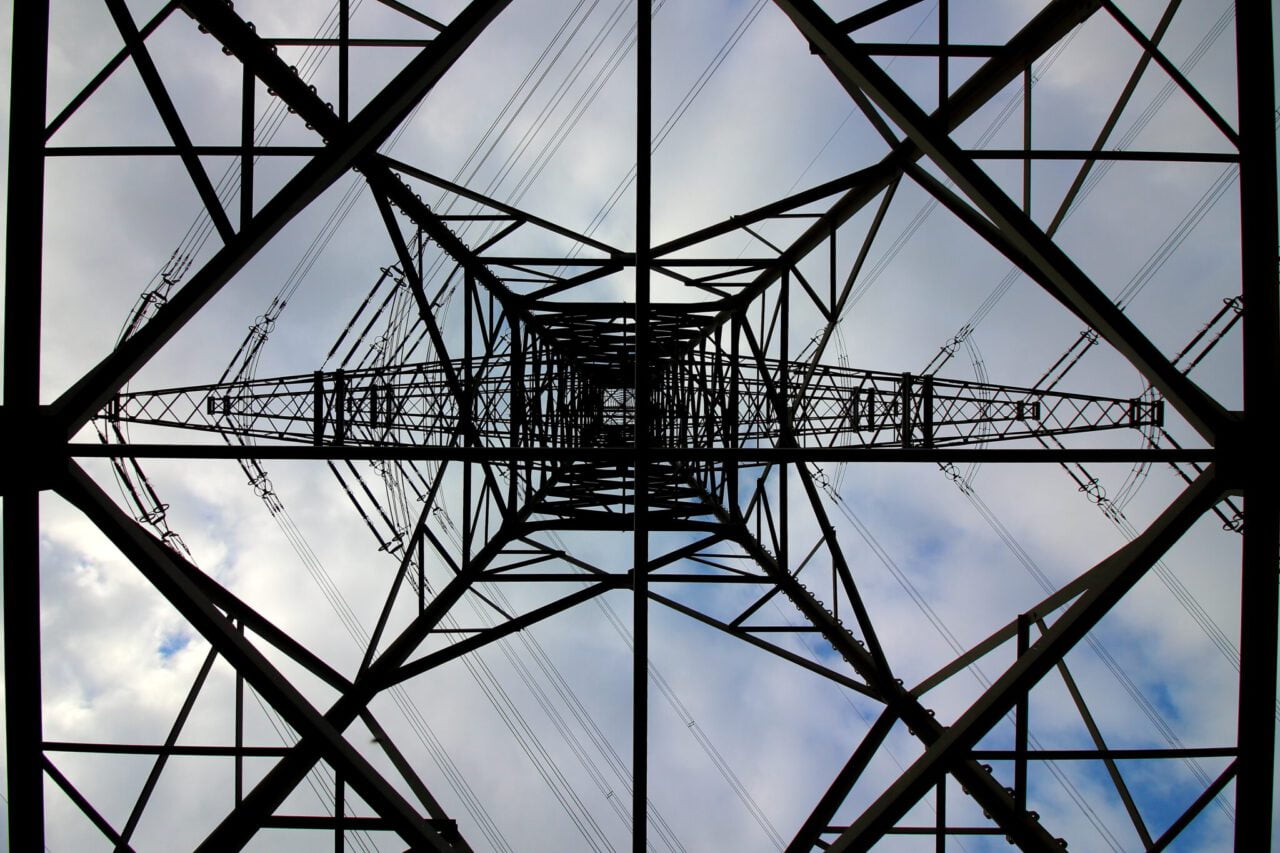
[{"x": 172, "y": 643}]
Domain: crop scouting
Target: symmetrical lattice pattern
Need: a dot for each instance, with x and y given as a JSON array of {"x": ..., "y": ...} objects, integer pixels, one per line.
[{"x": 549, "y": 420}]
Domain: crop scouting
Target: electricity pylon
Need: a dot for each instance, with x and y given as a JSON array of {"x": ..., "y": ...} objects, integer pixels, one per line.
[{"x": 554, "y": 410}]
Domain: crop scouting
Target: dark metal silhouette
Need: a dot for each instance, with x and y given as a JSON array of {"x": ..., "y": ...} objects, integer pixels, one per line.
[{"x": 703, "y": 418}]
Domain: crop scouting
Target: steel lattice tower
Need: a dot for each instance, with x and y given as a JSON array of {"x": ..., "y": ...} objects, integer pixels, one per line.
[{"x": 695, "y": 429}]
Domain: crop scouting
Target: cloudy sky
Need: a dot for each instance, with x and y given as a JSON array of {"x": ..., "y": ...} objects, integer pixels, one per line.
[{"x": 528, "y": 743}]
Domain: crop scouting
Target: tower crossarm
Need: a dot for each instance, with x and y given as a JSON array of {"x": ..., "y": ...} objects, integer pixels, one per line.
[
  {"x": 831, "y": 406},
  {"x": 409, "y": 404},
  {"x": 834, "y": 406}
]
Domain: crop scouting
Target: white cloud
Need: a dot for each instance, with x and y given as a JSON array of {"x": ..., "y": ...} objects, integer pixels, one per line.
[{"x": 118, "y": 660}]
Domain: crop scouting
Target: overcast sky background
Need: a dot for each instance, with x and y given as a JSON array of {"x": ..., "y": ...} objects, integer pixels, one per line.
[{"x": 772, "y": 120}]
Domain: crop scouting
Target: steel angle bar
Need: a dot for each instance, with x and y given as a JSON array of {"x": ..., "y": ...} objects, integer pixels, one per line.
[
  {"x": 346, "y": 144},
  {"x": 983, "y": 787},
  {"x": 825, "y": 811},
  {"x": 280, "y": 780},
  {"x": 170, "y": 740},
  {"x": 838, "y": 304},
  {"x": 948, "y": 51},
  {"x": 435, "y": 228},
  {"x": 299, "y": 41},
  {"x": 406, "y": 769},
  {"x": 1040, "y": 34},
  {"x": 1184, "y": 820},
  {"x": 1108, "y": 126},
  {"x": 1099, "y": 155},
  {"x": 157, "y": 564},
  {"x": 1115, "y": 576},
  {"x": 19, "y": 421},
  {"x": 746, "y": 636},
  {"x": 744, "y": 456},
  {"x": 247, "y": 617},
  {"x": 1050, "y": 603},
  {"x": 439, "y": 232},
  {"x": 1152, "y": 50},
  {"x": 413, "y": 14},
  {"x": 877, "y": 12},
  {"x": 170, "y": 150},
  {"x": 107, "y": 70},
  {"x": 1015, "y": 229},
  {"x": 519, "y": 623},
  {"x": 602, "y": 271},
  {"x": 1101, "y": 754},
  {"x": 1100, "y": 744},
  {"x": 386, "y": 187},
  {"x": 785, "y": 424},
  {"x": 169, "y": 116},
  {"x": 380, "y": 183},
  {"x": 844, "y": 184},
  {"x": 520, "y": 215},
  {"x": 94, "y": 816},
  {"x": 163, "y": 749},
  {"x": 683, "y": 552},
  {"x": 643, "y": 381},
  {"x": 411, "y": 549},
  {"x": 1253, "y": 457}
]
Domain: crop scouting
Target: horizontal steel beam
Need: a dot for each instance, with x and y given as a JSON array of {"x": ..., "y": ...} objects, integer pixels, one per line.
[
  {"x": 624, "y": 455},
  {"x": 162, "y": 749}
]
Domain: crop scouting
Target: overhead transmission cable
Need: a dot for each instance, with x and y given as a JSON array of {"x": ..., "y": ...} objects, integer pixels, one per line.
[
  {"x": 677, "y": 113},
  {"x": 665, "y": 130},
  {"x": 246, "y": 357},
  {"x": 1139, "y": 280},
  {"x": 524, "y": 733},
  {"x": 1100, "y": 169},
  {"x": 700, "y": 736},
  {"x": 516, "y": 104},
  {"x": 515, "y": 723}
]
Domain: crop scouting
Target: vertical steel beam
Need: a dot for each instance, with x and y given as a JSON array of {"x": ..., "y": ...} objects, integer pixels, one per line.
[
  {"x": 1021, "y": 729},
  {"x": 940, "y": 840},
  {"x": 23, "y": 719},
  {"x": 944, "y": 61},
  {"x": 344, "y": 51},
  {"x": 239, "y": 729},
  {"x": 1026, "y": 139},
  {"x": 643, "y": 403},
  {"x": 1256, "y": 464},
  {"x": 517, "y": 407},
  {"x": 248, "y": 87},
  {"x": 339, "y": 812},
  {"x": 784, "y": 392},
  {"x": 735, "y": 354},
  {"x": 23, "y": 274}
]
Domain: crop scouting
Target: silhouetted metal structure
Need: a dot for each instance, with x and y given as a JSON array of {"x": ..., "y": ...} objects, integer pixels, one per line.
[{"x": 701, "y": 417}]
